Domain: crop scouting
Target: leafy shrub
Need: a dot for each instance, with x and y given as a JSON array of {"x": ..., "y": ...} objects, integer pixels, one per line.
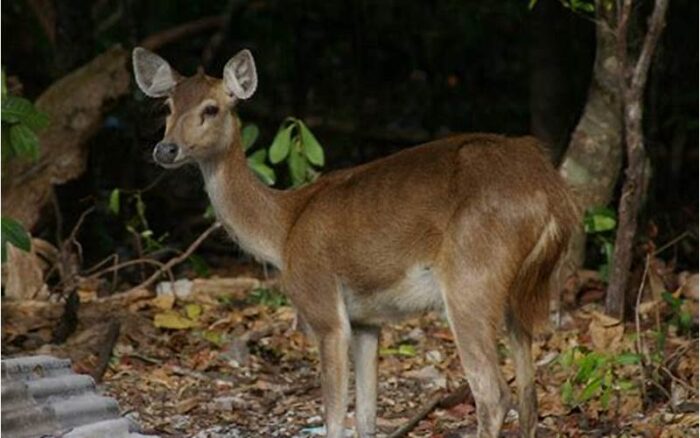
[
  {"x": 11, "y": 231},
  {"x": 599, "y": 224},
  {"x": 594, "y": 376},
  {"x": 21, "y": 122}
]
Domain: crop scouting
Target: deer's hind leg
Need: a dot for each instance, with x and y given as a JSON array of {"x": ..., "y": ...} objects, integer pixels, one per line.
[
  {"x": 475, "y": 314},
  {"x": 520, "y": 341}
]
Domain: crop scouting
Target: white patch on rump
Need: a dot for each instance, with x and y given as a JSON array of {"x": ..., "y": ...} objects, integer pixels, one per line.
[{"x": 417, "y": 292}]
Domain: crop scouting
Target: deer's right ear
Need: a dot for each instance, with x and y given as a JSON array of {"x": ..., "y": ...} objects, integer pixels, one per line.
[{"x": 153, "y": 73}]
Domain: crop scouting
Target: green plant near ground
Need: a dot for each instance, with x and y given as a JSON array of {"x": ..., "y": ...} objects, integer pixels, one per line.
[
  {"x": 594, "y": 376},
  {"x": 11, "y": 231},
  {"x": 21, "y": 122},
  {"x": 268, "y": 297},
  {"x": 680, "y": 318},
  {"x": 599, "y": 224}
]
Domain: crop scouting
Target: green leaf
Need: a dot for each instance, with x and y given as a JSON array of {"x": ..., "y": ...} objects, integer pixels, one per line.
[
  {"x": 209, "y": 213},
  {"x": 173, "y": 320},
  {"x": 311, "y": 147},
  {"x": 407, "y": 350},
  {"x": 249, "y": 134},
  {"x": 258, "y": 156},
  {"x": 628, "y": 359},
  {"x": 531, "y": 4},
  {"x": 24, "y": 141},
  {"x": 591, "y": 389},
  {"x": 599, "y": 219},
  {"x": 264, "y": 172},
  {"x": 281, "y": 144},
  {"x": 193, "y": 311},
  {"x": 11, "y": 231},
  {"x": 567, "y": 393},
  {"x": 626, "y": 385},
  {"x": 587, "y": 366},
  {"x": 298, "y": 167},
  {"x": 114, "y": 201},
  {"x": 141, "y": 210},
  {"x": 215, "y": 337},
  {"x": 15, "y": 109}
]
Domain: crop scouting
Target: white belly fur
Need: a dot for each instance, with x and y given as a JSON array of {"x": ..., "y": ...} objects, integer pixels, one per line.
[{"x": 416, "y": 293}]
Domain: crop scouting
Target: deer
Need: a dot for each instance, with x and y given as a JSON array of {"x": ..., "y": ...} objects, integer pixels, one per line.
[{"x": 472, "y": 225}]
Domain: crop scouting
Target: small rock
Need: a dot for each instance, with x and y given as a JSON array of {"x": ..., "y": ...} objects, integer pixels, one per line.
[
  {"x": 415, "y": 335},
  {"x": 182, "y": 289},
  {"x": 180, "y": 422},
  {"x": 236, "y": 350},
  {"x": 434, "y": 356},
  {"x": 227, "y": 403},
  {"x": 316, "y": 419},
  {"x": 429, "y": 374}
]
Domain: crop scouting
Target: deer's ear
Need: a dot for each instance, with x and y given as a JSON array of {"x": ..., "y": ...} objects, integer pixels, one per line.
[
  {"x": 240, "y": 77},
  {"x": 153, "y": 73}
]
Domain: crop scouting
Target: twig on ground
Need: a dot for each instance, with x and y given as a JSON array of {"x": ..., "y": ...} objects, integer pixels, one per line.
[
  {"x": 179, "y": 259},
  {"x": 438, "y": 401},
  {"x": 105, "y": 352}
]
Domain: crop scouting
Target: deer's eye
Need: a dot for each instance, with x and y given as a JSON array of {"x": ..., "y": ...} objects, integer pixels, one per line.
[{"x": 210, "y": 110}]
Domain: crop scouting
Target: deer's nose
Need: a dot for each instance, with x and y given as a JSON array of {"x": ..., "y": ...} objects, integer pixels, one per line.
[{"x": 165, "y": 153}]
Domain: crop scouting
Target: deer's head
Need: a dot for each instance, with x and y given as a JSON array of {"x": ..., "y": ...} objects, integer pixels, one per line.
[{"x": 200, "y": 124}]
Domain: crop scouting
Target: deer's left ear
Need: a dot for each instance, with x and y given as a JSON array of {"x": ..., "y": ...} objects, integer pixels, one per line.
[{"x": 240, "y": 77}]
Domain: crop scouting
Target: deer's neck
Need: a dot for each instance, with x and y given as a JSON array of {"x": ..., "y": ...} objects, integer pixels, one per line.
[{"x": 256, "y": 216}]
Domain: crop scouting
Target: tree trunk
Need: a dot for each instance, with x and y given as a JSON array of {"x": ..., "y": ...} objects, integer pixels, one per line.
[
  {"x": 633, "y": 187},
  {"x": 592, "y": 162}
]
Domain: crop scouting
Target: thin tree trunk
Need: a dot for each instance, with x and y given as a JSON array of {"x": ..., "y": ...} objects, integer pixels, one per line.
[
  {"x": 632, "y": 190},
  {"x": 593, "y": 159}
]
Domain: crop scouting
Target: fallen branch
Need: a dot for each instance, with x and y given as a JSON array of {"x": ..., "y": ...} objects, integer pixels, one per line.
[
  {"x": 105, "y": 352},
  {"x": 458, "y": 396},
  {"x": 179, "y": 259}
]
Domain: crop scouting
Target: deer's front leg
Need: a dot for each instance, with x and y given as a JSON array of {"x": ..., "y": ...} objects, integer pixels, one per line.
[
  {"x": 333, "y": 346},
  {"x": 365, "y": 342}
]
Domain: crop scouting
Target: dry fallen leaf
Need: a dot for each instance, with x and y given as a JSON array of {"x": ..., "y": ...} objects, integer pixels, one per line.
[
  {"x": 173, "y": 320},
  {"x": 606, "y": 332},
  {"x": 163, "y": 301}
]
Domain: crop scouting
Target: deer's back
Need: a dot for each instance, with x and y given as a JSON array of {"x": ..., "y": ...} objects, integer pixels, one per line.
[{"x": 376, "y": 225}]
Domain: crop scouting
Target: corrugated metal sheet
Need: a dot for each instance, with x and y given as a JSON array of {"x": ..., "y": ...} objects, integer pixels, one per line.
[{"x": 43, "y": 397}]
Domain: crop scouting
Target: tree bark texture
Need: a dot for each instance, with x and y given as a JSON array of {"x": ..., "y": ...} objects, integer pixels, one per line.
[
  {"x": 633, "y": 80},
  {"x": 593, "y": 159},
  {"x": 75, "y": 105}
]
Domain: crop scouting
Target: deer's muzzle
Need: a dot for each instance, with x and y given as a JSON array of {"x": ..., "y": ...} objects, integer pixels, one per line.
[{"x": 166, "y": 153}]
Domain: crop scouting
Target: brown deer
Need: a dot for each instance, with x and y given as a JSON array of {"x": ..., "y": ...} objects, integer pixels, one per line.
[{"x": 473, "y": 225}]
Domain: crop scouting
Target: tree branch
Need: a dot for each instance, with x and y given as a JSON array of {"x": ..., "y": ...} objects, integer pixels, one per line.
[
  {"x": 657, "y": 22},
  {"x": 179, "y": 259}
]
